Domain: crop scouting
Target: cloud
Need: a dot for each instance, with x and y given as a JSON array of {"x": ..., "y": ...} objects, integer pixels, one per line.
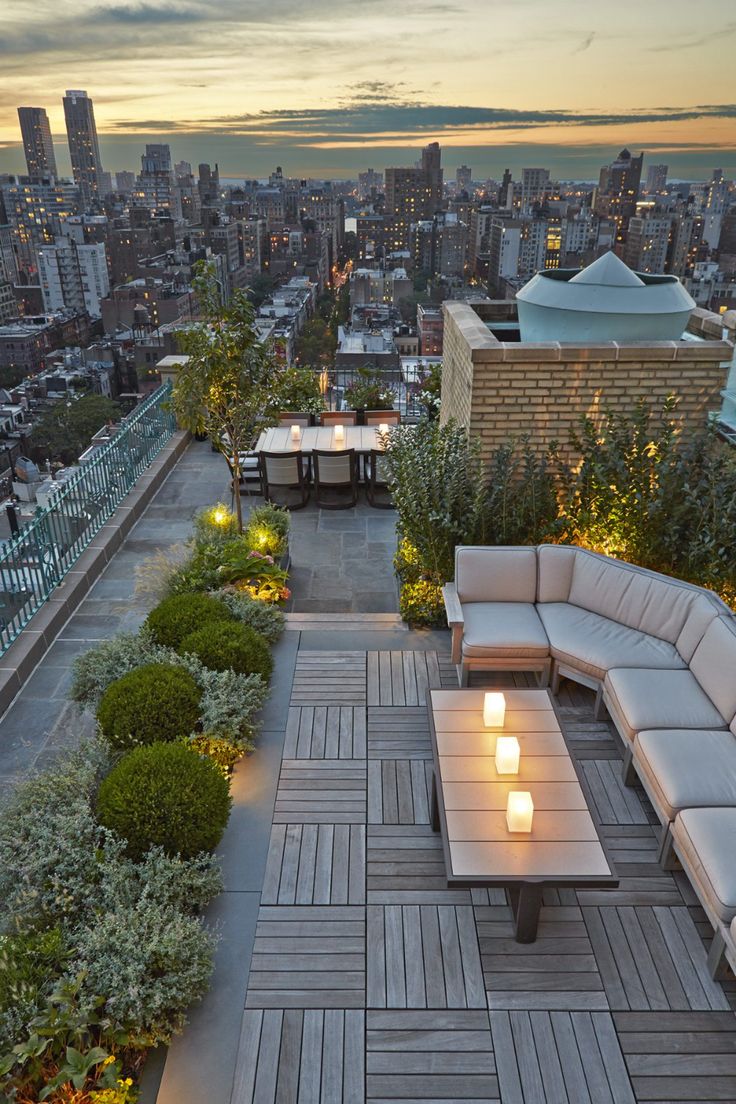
[
  {"x": 690, "y": 42},
  {"x": 585, "y": 44}
]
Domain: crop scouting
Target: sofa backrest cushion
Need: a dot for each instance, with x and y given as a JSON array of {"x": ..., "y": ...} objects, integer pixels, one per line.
[
  {"x": 496, "y": 574},
  {"x": 556, "y": 563},
  {"x": 704, "y": 609},
  {"x": 640, "y": 599},
  {"x": 714, "y": 665}
]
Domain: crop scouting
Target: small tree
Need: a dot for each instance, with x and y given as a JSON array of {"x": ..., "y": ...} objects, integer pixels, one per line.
[
  {"x": 228, "y": 388},
  {"x": 68, "y": 427}
]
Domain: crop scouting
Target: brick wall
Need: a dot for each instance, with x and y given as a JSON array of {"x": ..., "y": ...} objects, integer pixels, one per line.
[{"x": 499, "y": 389}]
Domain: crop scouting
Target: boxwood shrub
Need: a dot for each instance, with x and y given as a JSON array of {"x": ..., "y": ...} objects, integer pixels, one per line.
[
  {"x": 230, "y": 647},
  {"x": 156, "y": 702},
  {"x": 179, "y": 615},
  {"x": 165, "y": 795}
]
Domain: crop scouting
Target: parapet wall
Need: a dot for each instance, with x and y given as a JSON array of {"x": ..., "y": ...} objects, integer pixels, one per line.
[{"x": 503, "y": 389}]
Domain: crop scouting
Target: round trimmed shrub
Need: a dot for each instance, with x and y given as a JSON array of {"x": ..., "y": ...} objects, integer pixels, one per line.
[
  {"x": 165, "y": 795},
  {"x": 156, "y": 702},
  {"x": 179, "y": 615},
  {"x": 230, "y": 647}
]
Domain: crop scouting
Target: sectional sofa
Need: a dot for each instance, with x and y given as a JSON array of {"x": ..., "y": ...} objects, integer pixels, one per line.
[{"x": 660, "y": 655}]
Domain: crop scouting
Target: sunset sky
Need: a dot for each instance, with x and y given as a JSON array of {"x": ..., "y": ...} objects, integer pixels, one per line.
[{"x": 329, "y": 87}]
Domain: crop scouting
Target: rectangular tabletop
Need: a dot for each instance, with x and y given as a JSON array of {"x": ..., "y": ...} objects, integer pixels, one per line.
[
  {"x": 278, "y": 439},
  {"x": 564, "y": 846}
]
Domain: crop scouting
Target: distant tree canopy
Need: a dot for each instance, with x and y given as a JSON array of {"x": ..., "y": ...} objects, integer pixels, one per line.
[{"x": 64, "y": 432}]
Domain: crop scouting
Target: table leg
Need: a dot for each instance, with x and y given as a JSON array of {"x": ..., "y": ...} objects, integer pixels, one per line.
[
  {"x": 526, "y": 902},
  {"x": 435, "y": 811}
]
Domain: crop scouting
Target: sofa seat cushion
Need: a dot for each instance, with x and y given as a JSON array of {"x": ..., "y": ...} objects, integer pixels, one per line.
[
  {"x": 593, "y": 643},
  {"x": 704, "y": 839},
  {"x": 686, "y": 768},
  {"x": 646, "y": 698},
  {"x": 500, "y": 629}
]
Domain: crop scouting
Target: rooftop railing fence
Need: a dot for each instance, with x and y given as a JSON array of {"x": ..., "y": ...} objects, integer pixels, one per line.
[{"x": 35, "y": 561}]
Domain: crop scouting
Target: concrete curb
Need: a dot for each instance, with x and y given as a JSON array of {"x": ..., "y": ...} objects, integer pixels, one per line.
[{"x": 29, "y": 647}]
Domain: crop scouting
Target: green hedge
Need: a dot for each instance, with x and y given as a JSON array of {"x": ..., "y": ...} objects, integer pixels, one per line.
[
  {"x": 230, "y": 647},
  {"x": 180, "y": 615},
  {"x": 154, "y": 703},
  {"x": 165, "y": 795}
]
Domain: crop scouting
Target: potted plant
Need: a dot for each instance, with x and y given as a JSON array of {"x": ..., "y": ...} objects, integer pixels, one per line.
[{"x": 369, "y": 391}]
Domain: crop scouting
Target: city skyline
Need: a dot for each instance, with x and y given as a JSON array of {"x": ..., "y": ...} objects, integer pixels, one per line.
[{"x": 250, "y": 88}]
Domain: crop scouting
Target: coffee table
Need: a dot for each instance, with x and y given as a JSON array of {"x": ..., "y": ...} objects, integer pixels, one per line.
[{"x": 564, "y": 847}]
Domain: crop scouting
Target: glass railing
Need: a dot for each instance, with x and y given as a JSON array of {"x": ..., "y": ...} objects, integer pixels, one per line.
[{"x": 35, "y": 561}]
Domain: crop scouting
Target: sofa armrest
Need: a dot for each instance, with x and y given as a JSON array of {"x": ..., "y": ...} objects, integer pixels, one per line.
[{"x": 455, "y": 619}]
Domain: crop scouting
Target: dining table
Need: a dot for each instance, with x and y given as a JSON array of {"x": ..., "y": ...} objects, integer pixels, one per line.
[{"x": 360, "y": 438}]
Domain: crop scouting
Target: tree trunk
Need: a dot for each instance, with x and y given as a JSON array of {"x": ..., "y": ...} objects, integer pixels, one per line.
[{"x": 236, "y": 491}]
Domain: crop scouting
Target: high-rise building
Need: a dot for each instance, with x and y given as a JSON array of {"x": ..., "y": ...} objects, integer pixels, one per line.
[
  {"x": 156, "y": 186},
  {"x": 412, "y": 195},
  {"x": 36, "y": 212},
  {"x": 432, "y": 169},
  {"x": 618, "y": 191},
  {"x": 37, "y": 144},
  {"x": 656, "y": 179},
  {"x": 533, "y": 188},
  {"x": 463, "y": 177},
  {"x": 84, "y": 147},
  {"x": 506, "y": 190},
  {"x": 124, "y": 181},
  {"x": 503, "y": 254},
  {"x": 648, "y": 242},
  {"x": 209, "y": 185},
  {"x": 369, "y": 181},
  {"x": 73, "y": 277}
]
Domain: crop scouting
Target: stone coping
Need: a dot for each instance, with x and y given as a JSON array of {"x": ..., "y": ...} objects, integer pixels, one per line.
[
  {"x": 33, "y": 641},
  {"x": 485, "y": 347}
]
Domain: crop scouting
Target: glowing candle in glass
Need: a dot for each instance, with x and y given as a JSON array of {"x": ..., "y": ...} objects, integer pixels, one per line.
[
  {"x": 296, "y": 432},
  {"x": 383, "y": 427},
  {"x": 519, "y": 811},
  {"x": 494, "y": 710},
  {"x": 507, "y": 755},
  {"x": 339, "y": 432}
]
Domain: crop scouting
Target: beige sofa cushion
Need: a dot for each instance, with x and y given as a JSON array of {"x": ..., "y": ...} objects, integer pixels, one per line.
[
  {"x": 638, "y": 699},
  {"x": 555, "y": 563},
  {"x": 705, "y": 839},
  {"x": 496, "y": 574},
  {"x": 503, "y": 629},
  {"x": 704, "y": 609},
  {"x": 593, "y": 644},
  {"x": 686, "y": 768},
  {"x": 633, "y": 597},
  {"x": 714, "y": 665}
]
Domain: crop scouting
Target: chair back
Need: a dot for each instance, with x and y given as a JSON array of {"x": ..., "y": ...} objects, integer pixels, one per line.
[
  {"x": 379, "y": 473},
  {"x": 381, "y": 417},
  {"x": 282, "y": 470},
  {"x": 338, "y": 417},
  {"x": 296, "y": 417},
  {"x": 334, "y": 468}
]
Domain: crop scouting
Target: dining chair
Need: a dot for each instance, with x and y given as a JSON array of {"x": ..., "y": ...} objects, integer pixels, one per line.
[
  {"x": 376, "y": 480},
  {"x": 335, "y": 472},
  {"x": 285, "y": 471},
  {"x": 295, "y": 417},
  {"x": 382, "y": 417},
  {"x": 250, "y": 473},
  {"x": 338, "y": 417}
]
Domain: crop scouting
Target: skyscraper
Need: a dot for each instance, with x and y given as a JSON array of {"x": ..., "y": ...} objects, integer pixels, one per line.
[
  {"x": 432, "y": 169},
  {"x": 83, "y": 145},
  {"x": 533, "y": 188},
  {"x": 618, "y": 191},
  {"x": 37, "y": 144},
  {"x": 656, "y": 179}
]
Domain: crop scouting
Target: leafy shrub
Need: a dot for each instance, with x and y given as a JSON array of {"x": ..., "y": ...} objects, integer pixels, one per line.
[
  {"x": 109, "y": 660},
  {"x": 215, "y": 524},
  {"x": 230, "y": 702},
  {"x": 438, "y": 488},
  {"x": 176, "y": 617},
  {"x": 430, "y": 391},
  {"x": 165, "y": 795},
  {"x": 29, "y": 964},
  {"x": 522, "y": 501},
  {"x": 298, "y": 389},
  {"x": 254, "y": 573},
  {"x": 267, "y": 530},
  {"x": 155, "y": 574},
  {"x": 153, "y": 703},
  {"x": 268, "y": 620},
  {"x": 420, "y": 604},
  {"x": 407, "y": 564},
  {"x": 368, "y": 390},
  {"x": 231, "y": 647},
  {"x": 224, "y": 753}
]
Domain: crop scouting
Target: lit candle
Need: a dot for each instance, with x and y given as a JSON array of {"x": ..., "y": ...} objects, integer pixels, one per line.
[
  {"x": 383, "y": 427},
  {"x": 339, "y": 432},
  {"x": 296, "y": 432},
  {"x": 494, "y": 710},
  {"x": 519, "y": 811},
  {"x": 507, "y": 755}
]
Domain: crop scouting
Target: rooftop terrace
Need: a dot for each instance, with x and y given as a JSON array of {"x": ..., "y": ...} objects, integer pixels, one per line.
[{"x": 347, "y": 970}]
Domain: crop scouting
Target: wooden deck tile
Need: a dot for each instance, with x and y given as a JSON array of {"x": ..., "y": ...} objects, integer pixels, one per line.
[
  {"x": 399, "y": 791},
  {"x": 652, "y": 959},
  {"x": 326, "y": 732},
  {"x": 401, "y": 678},
  {"x": 321, "y": 791},
  {"x": 398, "y": 732},
  {"x": 315, "y": 864},
  {"x": 559, "y": 1057},
  {"x": 679, "y": 1056},
  {"x": 437, "y": 1055},
  {"x": 295, "y": 1056},
  {"x": 308, "y": 957},
  {"x": 405, "y": 866},
  {"x": 329, "y": 678},
  {"x": 423, "y": 956}
]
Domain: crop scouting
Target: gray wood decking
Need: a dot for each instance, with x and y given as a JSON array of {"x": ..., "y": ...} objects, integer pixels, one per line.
[{"x": 372, "y": 981}]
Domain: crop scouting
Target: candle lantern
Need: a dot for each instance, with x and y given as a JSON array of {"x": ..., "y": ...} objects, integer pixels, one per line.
[
  {"x": 507, "y": 755},
  {"x": 519, "y": 811},
  {"x": 494, "y": 710}
]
